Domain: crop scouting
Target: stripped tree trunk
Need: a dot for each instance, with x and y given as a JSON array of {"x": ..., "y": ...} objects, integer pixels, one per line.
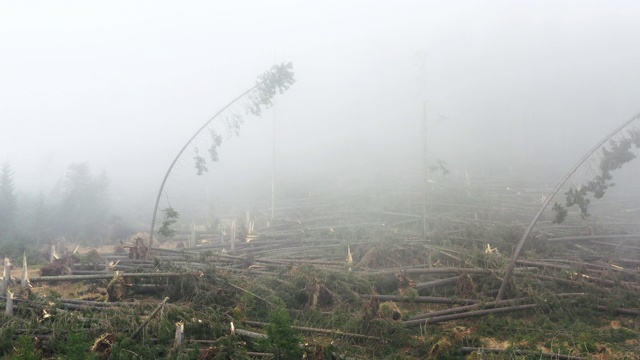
[
  {"x": 179, "y": 333},
  {"x": 9, "y": 309},
  {"x": 53, "y": 254},
  {"x": 6, "y": 275},
  {"x": 109, "y": 276},
  {"x": 25, "y": 272},
  {"x": 233, "y": 235},
  {"x": 193, "y": 237}
]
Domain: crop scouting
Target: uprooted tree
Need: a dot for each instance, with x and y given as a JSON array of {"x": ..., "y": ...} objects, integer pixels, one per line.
[{"x": 275, "y": 80}]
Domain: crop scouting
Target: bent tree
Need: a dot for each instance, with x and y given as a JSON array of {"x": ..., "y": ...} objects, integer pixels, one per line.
[
  {"x": 278, "y": 79},
  {"x": 612, "y": 159}
]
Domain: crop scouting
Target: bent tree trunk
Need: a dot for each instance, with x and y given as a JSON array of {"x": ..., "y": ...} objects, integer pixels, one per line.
[
  {"x": 175, "y": 160},
  {"x": 278, "y": 78},
  {"x": 516, "y": 252}
]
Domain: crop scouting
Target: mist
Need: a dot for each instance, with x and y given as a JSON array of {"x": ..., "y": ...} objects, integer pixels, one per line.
[
  {"x": 319, "y": 179},
  {"x": 517, "y": 89}
]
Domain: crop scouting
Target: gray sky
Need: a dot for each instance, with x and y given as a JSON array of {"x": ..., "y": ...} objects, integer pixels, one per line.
[{"x": 122, "y": 84}]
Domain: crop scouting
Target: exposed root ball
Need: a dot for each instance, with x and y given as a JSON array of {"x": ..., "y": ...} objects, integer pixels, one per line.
[
  {"x": 318, "y": 295},
  {"x": 102, "y": 345},
  {"x": 442, "y": 346},
  {"x": 58, "y": 267},
  {"x": 318, "y": 353},
  {"x": 208, "y": 353},
  {"x": 116, "y": 289},
  {"x": 138, "y": 250},
  {"x": 465, "y": 288},
  {"x": 390, "y": 311}
]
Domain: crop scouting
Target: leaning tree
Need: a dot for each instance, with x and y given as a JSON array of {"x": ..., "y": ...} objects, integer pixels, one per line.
[
  {"x": 275, "y": 80},
  {"x": 617, "y": 154}
]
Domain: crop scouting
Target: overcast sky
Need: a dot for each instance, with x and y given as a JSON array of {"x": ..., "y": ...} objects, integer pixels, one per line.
[{"x": 122, "y": 84}]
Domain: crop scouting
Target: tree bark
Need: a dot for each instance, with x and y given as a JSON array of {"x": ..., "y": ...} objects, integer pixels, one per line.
[
  {"x": 318, "y": 330},
  {"x": 110, "y": 276},
  {"x": 422, "y": 299},
  {"x": 438, "y": 319}
]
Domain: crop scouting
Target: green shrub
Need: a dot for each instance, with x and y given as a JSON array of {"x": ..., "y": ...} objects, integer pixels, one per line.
[
  {"x": 76, "y": 347},
  {"x": 25, "y": 349},
  {"x": 281, "y": 340}
]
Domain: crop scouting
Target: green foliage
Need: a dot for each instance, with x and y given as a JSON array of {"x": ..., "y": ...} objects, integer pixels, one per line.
[
  {"x": 201, "y": 163},
  {"x": 83, "y": 212},
  {"x": 586, "y": 344},
  {"x": 579, "y": 197},
  {"x": 412, "y": 294},
  {"x": 276, "y": 80},
  {"x": 440, "y": 167},
  {"x": 37, "y": 220},
  {"x": 216, "y": 141},
  {"x": 91, "y": 259},
  {"x": 612, "y": 158},
  {"x": 127, "y": 349},
  {"x": 230, "y": 347},
  {"x": 15, "y": 249},
  {"x": 25, "y": 349},
  {"x": 185, "y": 352},
  {"x": 77, "y": 209},
  {"x": 618, "y": 335},
  {"x": 273, "y": 81},
  {"x": 206, "y": 305},
  {"x": 561, "y": 213},
  {"x": 76, "y": 347},
  {"x": 170, "y": 218},
  {"x": 7, "y": 332},
  {"x": 292, "y": 284},
  {"x": 281, "y": 340}
]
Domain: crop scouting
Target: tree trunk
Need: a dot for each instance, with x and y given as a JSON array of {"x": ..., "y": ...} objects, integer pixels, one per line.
[
  {"x": 512, "y": 264},
  {"x": 25, "y": 272},
  {"x": 9, "y": 308},
  {"x": 179, "y": 333},
  {"x": 144, "y": 323}
]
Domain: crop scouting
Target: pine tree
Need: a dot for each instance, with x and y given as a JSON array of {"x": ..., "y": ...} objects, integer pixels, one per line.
[
  {"x": 84, "y": 207},
  {"x": 8, "y": 208}
]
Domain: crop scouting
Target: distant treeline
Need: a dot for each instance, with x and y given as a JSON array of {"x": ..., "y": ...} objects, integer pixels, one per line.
[{"x": 77, "y": 208}]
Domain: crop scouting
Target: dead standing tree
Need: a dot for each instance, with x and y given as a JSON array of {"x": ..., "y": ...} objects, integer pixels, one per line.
[
  {"x": 278, "y": 79},
  {"x": 514, "y": 257}
]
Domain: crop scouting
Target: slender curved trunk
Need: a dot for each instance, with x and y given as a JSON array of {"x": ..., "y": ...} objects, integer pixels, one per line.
[
  {"x": 516, "y": 252},
  {"x": 166, "y": 176}
]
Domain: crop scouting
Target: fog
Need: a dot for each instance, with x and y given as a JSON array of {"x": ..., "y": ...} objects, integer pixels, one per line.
[{"x": 509, "y": 87}]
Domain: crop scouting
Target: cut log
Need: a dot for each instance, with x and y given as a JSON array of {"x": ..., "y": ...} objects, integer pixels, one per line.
[
  {"x": 422, "y": 299},
  {"x": 444, "y": 318},
  {"x": 319, "y": 331},
  {"x": 516, "y": 352},
  {"x": 109, "y": 276},
  {"x": 25, "y": 273}
]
